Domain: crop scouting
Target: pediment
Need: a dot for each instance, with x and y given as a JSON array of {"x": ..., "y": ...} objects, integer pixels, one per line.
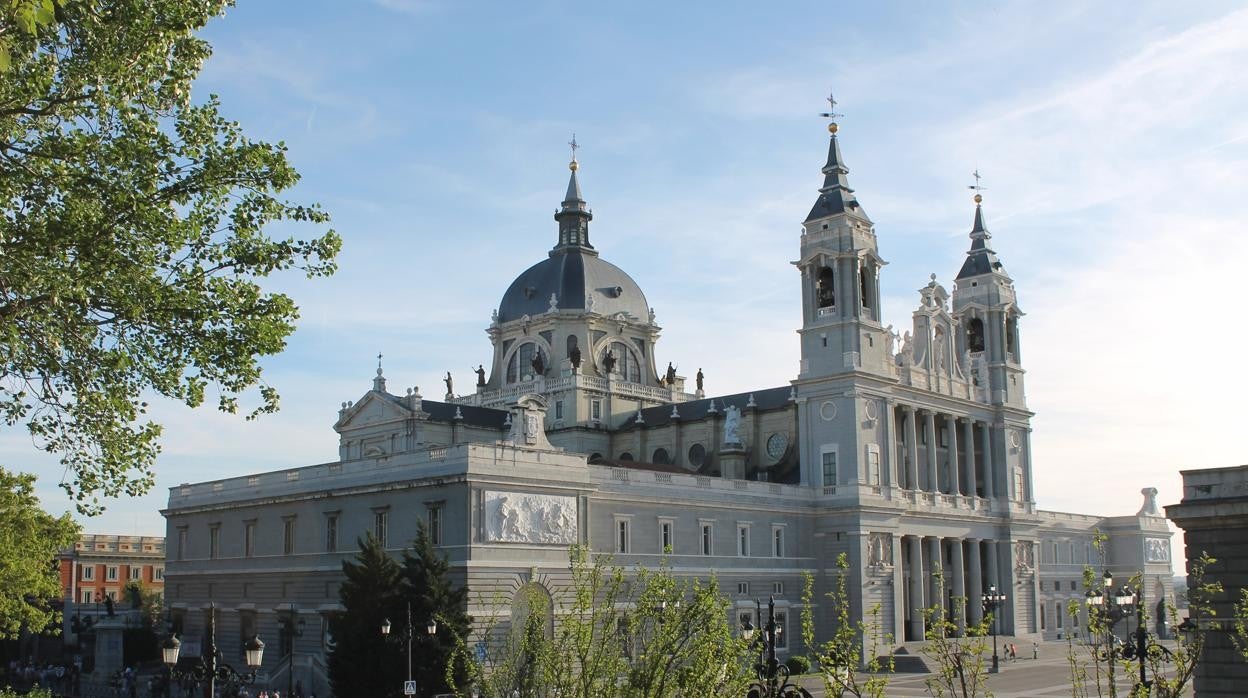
[{"x": 373, "y": 408}]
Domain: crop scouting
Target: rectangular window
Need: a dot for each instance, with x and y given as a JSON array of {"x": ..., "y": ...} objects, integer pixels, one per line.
[
  {"x": 743, "y": 540},
  {"x": 214, "y": 541},
  {"x": 88, "y": 572},
  {"x": 288, "y": 535},
  {"x": 873, "y": 464},
  {"x": 1057, "y": 613},
  {"x": 435, "y": 525},
  {"x": 777, "y": 541},
  {"x": 665, "y": 535},
  {"x": 829, "y": 467},
  {"x": 111, "y": 594},
  {"x": 708, "y": 531},
  {"x": 782, "y": 630},
  {"x": 158, "y": 574},
  {"x": 249, "y": 538},
  {"x": 777, "y": 588},
  {"x": 110, "y": 573},
  {"x": 88, "y": 596},
  {"x": 1044, "y": 616},
  {"x": 596, "y": 409},
  {"x": 621, "y": 536},
  {"x": 1041, "y": 585},
  {"x": 558, "y": 409},
  {"x": 182, "y": 543},
  {"x": 136, "y": 572},
  {"x": 743, "y": 588},
  {"x": 331, "y": 533},
  {"x": 380, "y": 519}
]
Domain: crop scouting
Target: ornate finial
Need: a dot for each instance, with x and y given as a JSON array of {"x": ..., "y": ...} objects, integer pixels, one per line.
[
  {"x": 573, "y": 165},
  {"x": 831, "y": 114},
  {"x": 379, "y": 363},
  {"x": 976, "y": 186}
]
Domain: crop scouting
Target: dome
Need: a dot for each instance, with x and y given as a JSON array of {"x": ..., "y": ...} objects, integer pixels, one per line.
[{"x": 577, "y": 277}]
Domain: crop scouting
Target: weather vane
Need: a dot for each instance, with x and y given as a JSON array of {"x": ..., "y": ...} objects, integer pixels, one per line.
[
  {"x": 831, "y": 113},
  {"x": 575, "y": 146},
  {"x": 976, "y": 187}
]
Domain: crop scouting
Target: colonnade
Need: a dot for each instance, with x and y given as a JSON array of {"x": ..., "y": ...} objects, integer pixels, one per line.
[
  {"x": 967, "y": 466},
  {"x": 967, "y": 568}
]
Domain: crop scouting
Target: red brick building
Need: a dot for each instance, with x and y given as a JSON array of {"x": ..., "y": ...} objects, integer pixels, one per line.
[{"x": 99, "y": 566}]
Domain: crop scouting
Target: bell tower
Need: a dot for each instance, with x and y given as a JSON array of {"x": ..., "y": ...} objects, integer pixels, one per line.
[{"x": 840, "y": 267}]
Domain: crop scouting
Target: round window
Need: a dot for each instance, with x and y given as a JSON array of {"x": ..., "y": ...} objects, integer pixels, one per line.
[
  {"x": 777, "y": 444},
  {"x": 697, "y": 455},
  {"x": 660, "y": 456}
]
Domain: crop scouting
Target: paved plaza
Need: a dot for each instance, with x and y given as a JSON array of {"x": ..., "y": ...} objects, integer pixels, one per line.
[{"x": 1021, "y": 678}]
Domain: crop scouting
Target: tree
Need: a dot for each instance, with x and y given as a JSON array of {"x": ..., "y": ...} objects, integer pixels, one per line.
[
  {"x": 840, "y": 658},
  {"x": 961, "y": 666},
  {"x": 615, "y": 634},
  {"x": 361, "y": 661},
  {"x": 30, "y": 539},
  {"x": 132, "y": 238},
  {"x": 427, "y": 587}
]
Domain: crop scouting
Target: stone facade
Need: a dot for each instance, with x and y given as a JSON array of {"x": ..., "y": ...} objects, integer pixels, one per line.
[
  {"x": 1214, "y": 519},
  {"x": 909, "y": 453}
]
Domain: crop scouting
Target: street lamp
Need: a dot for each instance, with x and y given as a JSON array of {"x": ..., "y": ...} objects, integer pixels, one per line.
[
  {"x": 991, "y": 602},
  {"x": 431, "y": 629},
  {"x": 773, "y": 677},
  {"x": 210, "y": 669},
  {"x": 1110, "y": 607}
]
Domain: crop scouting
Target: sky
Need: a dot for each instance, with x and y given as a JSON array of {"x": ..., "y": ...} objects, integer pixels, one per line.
[{"x": 1112, "y": 139}]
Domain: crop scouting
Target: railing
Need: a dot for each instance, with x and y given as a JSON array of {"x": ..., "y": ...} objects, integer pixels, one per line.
[{"x": 613, "y": 386}]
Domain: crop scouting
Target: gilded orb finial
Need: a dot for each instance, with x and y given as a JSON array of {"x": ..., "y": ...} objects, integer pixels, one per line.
[
  {"x": 574, "y": 165},
  {"x": 832, "y": 128},
  {"x": 978, "y": 198}
]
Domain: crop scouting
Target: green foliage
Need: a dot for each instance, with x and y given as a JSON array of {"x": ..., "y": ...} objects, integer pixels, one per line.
[
  {"x": 6, "y": 692},
  {"x": 132, "y": 237},
  {"x": 961, "y": 662},
  {"x": 840, "y": 658},
  {"x": 658, "y": 636},
  {"x": 427, "y": 587},
  {"x": 1239, "y": 634},
  {"x": 361, "y": 661},
  {"x": 30, "y": 539},
  {"x": 797, "y": 664}
]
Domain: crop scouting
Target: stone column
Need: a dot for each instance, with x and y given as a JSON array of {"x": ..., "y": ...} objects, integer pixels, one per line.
[
  {"x": 933, "y": 473},
  {"x": 994, "y": 581},
  {"x": 990, "y": 480},
  {"x": 936, "y": 579},
  {"x": 968, "y": 438},
  {"x": 916, "y": 587},
  {"x": 951, "y": 426},
  {"x": 892, "y": 474},
  {"x": 975, "y": 592},
  {"x": 959, "y": 585},
  {"x": 912, "y": 449}
]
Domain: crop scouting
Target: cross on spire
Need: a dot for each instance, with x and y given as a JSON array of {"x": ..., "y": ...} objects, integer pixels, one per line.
[
  {"x": 378, "y": 361},
  {"x": 574, "y": 145},
  {"x": 976, "y": 187},
  {"x": 831, "y": 112}
]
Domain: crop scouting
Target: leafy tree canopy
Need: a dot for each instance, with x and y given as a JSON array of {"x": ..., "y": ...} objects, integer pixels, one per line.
[
  {"x": 132, "y": 236},
  {"x": 30, "y": 538}
]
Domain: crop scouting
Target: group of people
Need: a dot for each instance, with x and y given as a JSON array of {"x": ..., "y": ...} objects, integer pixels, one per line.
[{"x": 25, "y": 676}]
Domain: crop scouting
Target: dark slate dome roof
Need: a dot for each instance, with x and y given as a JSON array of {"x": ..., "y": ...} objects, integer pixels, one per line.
[{"x": 573, "y": 275}]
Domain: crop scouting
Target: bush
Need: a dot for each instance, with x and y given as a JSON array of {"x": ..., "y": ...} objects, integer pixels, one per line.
[{"x": 797, "y": 664}]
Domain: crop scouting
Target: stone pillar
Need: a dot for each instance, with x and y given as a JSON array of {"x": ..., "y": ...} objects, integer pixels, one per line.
[
  {"x": 916, "y": 587},
  {"x": 951, "y": 426},
  {"x": 968, "y": 439},
  {"x": 892, "y": 474},
  {"x": 936, "y": 579},
  {"x": 994, "y": 581},
  {"x": 990, "y": 480},
  {"x": 975, "y": 591},
  {"x": 929, "y": 428},
  {"x": 959, "y": 585},
  {"x": 912, "y": 449}
]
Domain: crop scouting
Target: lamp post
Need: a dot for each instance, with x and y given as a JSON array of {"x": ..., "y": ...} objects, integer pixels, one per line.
[
  {"x": 1141, "y": 636},
  {"x": 294, "y": 631},
  {"x": 210, "y": 669},
  {"x": 773, "y": 677},
  {"x": 431, "y": 629},
  {"x": 991, "y": 601},
  {"x": 1111, "y": 608}
]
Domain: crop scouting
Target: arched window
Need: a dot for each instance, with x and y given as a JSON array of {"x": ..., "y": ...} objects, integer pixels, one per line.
[
  {"x": 594, "y": 458},
  {"x": 826, "y": 288},
  {"x": 1011, "y": 338},
  {"x": 521, "y": 363},
  {"x": 975, "y": 334},
  {"x": 626, "y": 363},
  {"x": 660, "y": 456},
  {"x": 626, "y": 457}
]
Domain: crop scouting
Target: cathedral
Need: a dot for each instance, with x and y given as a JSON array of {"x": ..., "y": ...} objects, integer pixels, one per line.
[{"x": 910, "y": 452}]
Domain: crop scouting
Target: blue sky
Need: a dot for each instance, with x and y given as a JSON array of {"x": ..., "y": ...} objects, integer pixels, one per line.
[{"x": 1112, "y": 138}]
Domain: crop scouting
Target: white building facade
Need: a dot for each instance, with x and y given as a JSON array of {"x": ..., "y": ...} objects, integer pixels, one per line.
[{"x": 910, "y": 453}]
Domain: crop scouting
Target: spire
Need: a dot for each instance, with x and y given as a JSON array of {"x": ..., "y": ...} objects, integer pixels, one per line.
[
  {"x": 573, "y": 216},
  {"x": 835, "y": 196},
  {"x": 379, "y": 382},
  {"x": 980, "y": 259}
]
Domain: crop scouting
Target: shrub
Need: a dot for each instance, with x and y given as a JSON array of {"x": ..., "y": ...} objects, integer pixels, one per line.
[{"x": 797, "y": 664}]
